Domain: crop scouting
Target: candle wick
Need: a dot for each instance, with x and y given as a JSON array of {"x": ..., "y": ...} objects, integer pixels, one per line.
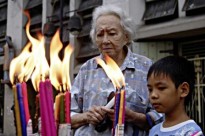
[{"x": 16, "y": 80}]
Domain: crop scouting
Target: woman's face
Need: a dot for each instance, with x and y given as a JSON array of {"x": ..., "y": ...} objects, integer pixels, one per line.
[{"x": 110, "y": 37}]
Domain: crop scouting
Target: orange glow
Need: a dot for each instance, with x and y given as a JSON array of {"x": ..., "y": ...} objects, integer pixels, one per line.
[
  {"x": 118, "y": 73},
  {"x": 41, "y": 71},
  {"x": 66, "y": 67},
  {"x": 37, "y": 58},
  {"x": 110, "y": 73},
  {"x": 59, "y": 70},
  {"x": 56, "y": 63},
  {"x": 17, "y": 65}
]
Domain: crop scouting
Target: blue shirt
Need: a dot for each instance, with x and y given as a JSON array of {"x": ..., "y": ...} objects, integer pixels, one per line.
[
  {"x": 187, "y": 128},
  {"x": 93, "y": 87}
]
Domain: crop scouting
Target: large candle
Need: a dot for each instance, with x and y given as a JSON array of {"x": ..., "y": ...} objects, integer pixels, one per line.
[
  {"x": 21, "y": 107},
  {"x": 17, "y": 112},
  {"x": 49, "y": 100},
  {"x": 45, "y": 126}
]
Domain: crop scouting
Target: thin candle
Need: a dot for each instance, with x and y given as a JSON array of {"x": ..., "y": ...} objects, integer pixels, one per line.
[
  {"x": 120, "y": 119},
  {"x": 67, "y": 106},
  {"x": 25, "y": 101},
  {"x": 17, "y": 112},
  {"x": 57, "y": 108},
  {"x": 62, "y": 110},
  {"x": 21, "y": 107},
  {"x": 117, "y": 104}
]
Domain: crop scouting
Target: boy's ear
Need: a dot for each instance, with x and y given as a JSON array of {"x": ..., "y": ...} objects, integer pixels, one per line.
[{"x": 184, "y": 89}]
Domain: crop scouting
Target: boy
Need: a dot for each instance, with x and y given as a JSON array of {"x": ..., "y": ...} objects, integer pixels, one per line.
[{"x": 170, "y": 83}]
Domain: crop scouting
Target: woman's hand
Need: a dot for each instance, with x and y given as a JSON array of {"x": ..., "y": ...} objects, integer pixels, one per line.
[
  {"x": 95, "y": 115},
  {"x": 110, "y": 112}
]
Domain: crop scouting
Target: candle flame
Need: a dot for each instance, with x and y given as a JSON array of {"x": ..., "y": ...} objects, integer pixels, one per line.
[
  {"x": 37, "y": 58},
  {"x": 118, "y": 73},
  {"x": 59, "y": 70},
  {"x": 108, "y": 71},
  {"x": 17, "y": 65},
  {"x": 66, "y": 67},
  {"x": 56, "y": 63}
]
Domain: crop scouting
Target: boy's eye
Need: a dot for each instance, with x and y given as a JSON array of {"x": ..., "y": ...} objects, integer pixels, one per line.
[
  {"x": 161, "y": 88},
  {"x": 150, "y": 90}
]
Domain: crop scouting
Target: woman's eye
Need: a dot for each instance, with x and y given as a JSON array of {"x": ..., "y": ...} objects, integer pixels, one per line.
[
  {"x": 99, "y": 35},
  {"x": 112, "y": 34}
]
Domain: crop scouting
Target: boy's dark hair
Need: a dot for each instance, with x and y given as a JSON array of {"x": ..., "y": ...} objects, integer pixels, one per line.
[{"x": 178, "y": 69}]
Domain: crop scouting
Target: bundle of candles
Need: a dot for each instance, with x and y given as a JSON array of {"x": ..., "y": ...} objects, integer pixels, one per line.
[
  {"x": 32, "y": 63},
  {"x": 110, "y": 67},
  {"x": 21, "y": 108},
  {"x": 59, "y": 73}
]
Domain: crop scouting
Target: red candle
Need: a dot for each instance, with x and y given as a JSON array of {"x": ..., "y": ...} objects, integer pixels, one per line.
[
  {"x": 25, "y": 101},
  {"x": 67, "y": 106}
]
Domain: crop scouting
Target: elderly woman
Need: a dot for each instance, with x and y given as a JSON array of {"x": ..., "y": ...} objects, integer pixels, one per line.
[{"x": 112, "y": 32}]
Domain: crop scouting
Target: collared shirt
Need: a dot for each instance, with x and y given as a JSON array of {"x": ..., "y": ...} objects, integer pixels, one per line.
[{"x": 93, "y": 87}]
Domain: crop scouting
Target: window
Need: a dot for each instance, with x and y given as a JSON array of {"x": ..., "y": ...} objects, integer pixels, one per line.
[
  {"x": 194, "y": 7},
  {"x": 160, "y": 10}
]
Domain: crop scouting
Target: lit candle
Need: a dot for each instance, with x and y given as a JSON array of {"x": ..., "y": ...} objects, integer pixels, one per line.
[
  {"x": 57, "y": 108},
  {"x": 45, "y": 129},
  {"x": 25, "y": 101},
  {"x": 117, "y": 104},
  {"x": 21, "y": 107},
  {"x": 62, "y": 109},
  {"x": 67, "y": 106},
  {"x": 17, "y": 112},
  {"x": 120, "y": 126},
  {"x": 49, "y": 99}
]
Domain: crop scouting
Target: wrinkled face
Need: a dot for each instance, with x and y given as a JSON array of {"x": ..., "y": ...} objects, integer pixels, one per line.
[
  {"x": 110, "y": 37},
  {"x": 163, "y": 94}
]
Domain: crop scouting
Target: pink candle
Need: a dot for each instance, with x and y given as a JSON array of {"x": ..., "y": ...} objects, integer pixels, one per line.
[
  {"x": 67, "y": 106},
  {"x": 49, "y": 100},
  {"x": 25, "y": 101},
  {"x": 45, "y": 126}
]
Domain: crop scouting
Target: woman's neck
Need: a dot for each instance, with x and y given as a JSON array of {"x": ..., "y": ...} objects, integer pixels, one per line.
[{"x": 121, "y": 57}]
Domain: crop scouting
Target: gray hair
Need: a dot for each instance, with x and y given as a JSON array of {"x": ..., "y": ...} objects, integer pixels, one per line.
[{"x": 126, "y": 22}]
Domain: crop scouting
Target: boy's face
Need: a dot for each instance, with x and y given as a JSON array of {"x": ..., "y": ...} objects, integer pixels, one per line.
[{"x": 163, "y": 94}]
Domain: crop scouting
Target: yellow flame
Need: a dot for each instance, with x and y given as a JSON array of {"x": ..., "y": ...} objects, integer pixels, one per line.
[
  {"x": 41, "y": 71},
  {"x": 56, "y": 63},
  {"x": 66, "y": 67},
  {"x": 108, "y": 71},
  {"x": 17, "y": 69},
  {"x": 37, "y": 58},
  {"x": 119, "y": 75}
]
